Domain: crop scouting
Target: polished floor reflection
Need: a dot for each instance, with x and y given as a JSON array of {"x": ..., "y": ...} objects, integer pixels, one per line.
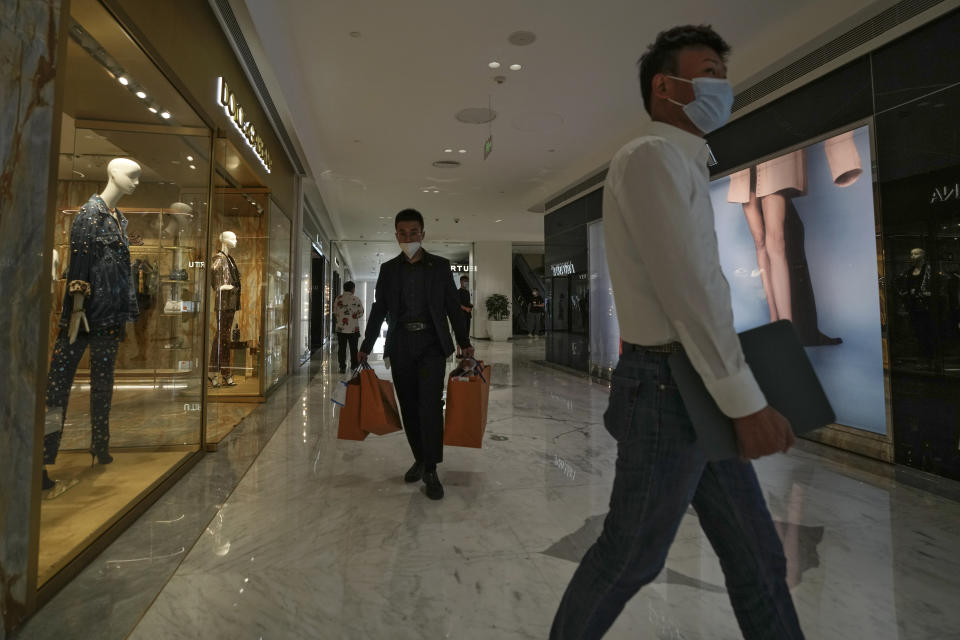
[{"x": 322, "y": 538}]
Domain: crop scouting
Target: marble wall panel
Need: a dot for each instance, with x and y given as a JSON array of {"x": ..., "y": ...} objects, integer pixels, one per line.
[{"x": 29, "y": 31}]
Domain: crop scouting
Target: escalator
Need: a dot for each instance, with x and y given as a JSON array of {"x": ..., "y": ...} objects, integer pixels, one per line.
[{"x": 525, "y": 280}]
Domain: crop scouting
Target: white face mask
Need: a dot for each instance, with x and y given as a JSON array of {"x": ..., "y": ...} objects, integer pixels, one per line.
[
  {"x": 410, "y": 248},
  {"x": 712, "y": 103}
]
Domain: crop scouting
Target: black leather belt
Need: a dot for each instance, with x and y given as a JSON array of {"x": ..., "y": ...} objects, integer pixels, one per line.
[
  {"x": 671, "y": 347},
  {"x": 416, "y": 326}
]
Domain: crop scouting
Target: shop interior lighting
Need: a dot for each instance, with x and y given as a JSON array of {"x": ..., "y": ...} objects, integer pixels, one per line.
[
  {"x": 463, "y": 150},
  {"x": 193, "y": 166},
  {"x": 189, "y": 158},
  {"x": 165, "y": 115},
  {"x": 152, "y": 109},
  {"x": 142, "y": 95},
  {"x": 448, "y": 150},
  {"x": 494, "y": 65},
  {"x": 515, "y": 67},
  {"x": 123, "y": 80}
]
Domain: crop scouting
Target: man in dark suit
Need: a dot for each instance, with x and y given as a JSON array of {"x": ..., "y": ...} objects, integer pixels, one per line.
[
  {"x": 465, "y": 304},
  {"x": 417, "y": 292}
]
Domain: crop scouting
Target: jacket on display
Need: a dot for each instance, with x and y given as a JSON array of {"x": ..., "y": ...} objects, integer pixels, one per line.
[
  {"x": 224, "y": 271},
  {"x": 100, "y": 267}
]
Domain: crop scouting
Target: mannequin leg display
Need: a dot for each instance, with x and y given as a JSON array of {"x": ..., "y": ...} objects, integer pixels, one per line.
[
  {"x": 774, "y": 211},
  {"x": 220, "y": 350},
  {"x": 754, "y": 214},
  {"x": 104, "y": 345},
  {"x": 801, "y": 284}
]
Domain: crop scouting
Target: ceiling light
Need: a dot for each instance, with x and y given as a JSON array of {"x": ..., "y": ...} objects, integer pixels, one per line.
[
  {"x": 142, "y": 95},
  {"x": 165, "y": 115},
  {"x": 500, "y": 220},
  {"x": 426, "y": 190},
  {"x": 463, "y": 150},
  {"x": 193, "y": 166},
  {"x": 123, "y": 80},
  {"x": 448, "y": 150},
  {"x": 190, "y": 158},
  {"x": 494, "y": 65},
  {"x": 515, "y": 67},
  {"x": 152, "y": 109}
]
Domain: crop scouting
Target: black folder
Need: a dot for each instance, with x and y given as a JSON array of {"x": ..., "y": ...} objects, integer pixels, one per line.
[{"x": 785, "y": 375}]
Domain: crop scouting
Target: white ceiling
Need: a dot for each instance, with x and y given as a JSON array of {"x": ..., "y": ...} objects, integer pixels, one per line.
[{"x": 373, "y": 112}]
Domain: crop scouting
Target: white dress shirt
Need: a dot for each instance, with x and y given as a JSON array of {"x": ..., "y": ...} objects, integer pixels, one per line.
[{"x": 664, "y": 264}]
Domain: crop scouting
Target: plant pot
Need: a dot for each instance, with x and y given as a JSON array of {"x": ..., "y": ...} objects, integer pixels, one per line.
[{"x": 500, "y": 330}]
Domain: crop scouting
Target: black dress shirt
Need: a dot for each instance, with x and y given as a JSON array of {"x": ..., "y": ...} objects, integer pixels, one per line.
[{"x": 413, "y": 292}]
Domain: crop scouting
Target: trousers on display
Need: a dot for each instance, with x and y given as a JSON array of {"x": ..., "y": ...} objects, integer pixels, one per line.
[
  {"x": 104, "y": 344},
  {"x": 418, "y": 367},
  {"x": 220, "y": 349}
]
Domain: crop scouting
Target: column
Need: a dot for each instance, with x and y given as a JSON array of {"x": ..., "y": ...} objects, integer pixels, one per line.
[
  {"x": 29, "y": 58},
  {"x": 494, "y": 274}
]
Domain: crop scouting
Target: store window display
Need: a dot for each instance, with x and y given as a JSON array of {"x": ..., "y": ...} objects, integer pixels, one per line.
[{"x": 129, "y": 218}]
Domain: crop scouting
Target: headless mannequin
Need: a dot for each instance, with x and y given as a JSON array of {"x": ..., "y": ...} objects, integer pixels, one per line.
[
  {"x": 220, "y": 355},
  {"x": 123, "y": 176}
]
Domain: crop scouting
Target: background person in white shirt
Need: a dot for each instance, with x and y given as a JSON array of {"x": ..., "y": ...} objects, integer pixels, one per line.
[
  {"x": 347, "y": 311},
  {"x": 670, "y": 295}
]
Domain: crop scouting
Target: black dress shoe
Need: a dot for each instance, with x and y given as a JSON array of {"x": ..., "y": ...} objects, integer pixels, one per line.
[
  {"x": 434, "y": 488},
  {"x": 414, "y": 473}
]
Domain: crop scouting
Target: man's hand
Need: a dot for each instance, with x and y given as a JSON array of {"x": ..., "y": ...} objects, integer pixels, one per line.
[
  {"x": 763, "y": 433},
  {"x": 361, "y": 356}
]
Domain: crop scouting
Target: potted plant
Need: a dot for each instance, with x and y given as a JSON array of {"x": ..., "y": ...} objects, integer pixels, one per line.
[{"x": 498, "y": 317}]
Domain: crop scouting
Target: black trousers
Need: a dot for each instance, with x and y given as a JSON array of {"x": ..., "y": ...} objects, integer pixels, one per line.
[
  {"x": 104, "y": 342},
  {"x": 418, "y": 365},
  {"x": 345, "y": 339}
]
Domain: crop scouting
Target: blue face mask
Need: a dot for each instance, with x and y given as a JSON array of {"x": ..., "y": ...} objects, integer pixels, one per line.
[{"x": 712, "y": 103}]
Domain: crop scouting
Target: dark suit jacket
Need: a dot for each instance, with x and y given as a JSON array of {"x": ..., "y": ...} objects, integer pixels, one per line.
[{"x": 442, "y": 299}]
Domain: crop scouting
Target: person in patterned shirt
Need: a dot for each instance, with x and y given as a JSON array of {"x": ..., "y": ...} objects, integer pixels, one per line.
[{"x": 347, "y": 309}]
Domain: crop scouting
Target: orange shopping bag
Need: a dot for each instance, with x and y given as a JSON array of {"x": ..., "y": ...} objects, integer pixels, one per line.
[
  {"x": 348, "y": 427},
  {"x": 378, "y": 404},
  {"x": 467, "y": 400}
]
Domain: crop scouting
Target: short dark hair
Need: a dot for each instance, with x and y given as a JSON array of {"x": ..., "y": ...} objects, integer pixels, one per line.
[
  {"x": 661, "y": 56},
  {"x": 408, "y": 215},
  {"x": 462, "y": 278},
  {"x": 349, "y": 286}
]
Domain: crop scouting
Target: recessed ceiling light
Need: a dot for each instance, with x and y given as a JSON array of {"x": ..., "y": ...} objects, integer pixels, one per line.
[
  {"x": 426, "y": 190},
  {"x": 165, "y": 115},
  {"x": 448, "y": 150},
  {"x": 152, "y": 109},
  {"x": 355, "y": 34},
  {"x": 500, "y": 220},
  {"x": 515, "y": 67},
  {"x": 123, "y": 80},
  {"x": 463, "y": 150},
  {"x": 190, "y": 158},
  {"x": 494, "y": 65},
  {"x": 193, "y": 166},
  {"x": 142, "y": 95}
]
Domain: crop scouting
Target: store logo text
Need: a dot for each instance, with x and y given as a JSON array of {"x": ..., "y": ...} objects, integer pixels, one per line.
[
  {"x": 945, "y": 194},
  {"x": 562, "y": 269},
  {"x": 228, "y": 100}
]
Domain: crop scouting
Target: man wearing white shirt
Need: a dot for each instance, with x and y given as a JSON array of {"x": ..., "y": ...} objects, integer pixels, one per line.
[{"x": 671, "y": 295}]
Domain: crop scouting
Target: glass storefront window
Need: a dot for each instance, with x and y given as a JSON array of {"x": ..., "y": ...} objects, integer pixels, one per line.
[
  {"x": 277, "y": 324},
  {"x": 124, "y": 385}
]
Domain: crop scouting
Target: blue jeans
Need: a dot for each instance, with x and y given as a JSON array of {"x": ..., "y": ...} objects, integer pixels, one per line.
[{"x": 659, "y": 473}]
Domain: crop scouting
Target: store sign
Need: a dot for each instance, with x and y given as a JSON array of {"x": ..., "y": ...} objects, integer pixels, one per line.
[
  {"x": 562, "y": 269},
  {"x": 227, "y": 99},
  {"x": 945, "y": 193},
  {"x": 462, "y": 268}
]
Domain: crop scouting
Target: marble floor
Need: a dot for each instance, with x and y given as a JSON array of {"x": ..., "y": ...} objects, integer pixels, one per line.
[{"x": 321, "y": 538}]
